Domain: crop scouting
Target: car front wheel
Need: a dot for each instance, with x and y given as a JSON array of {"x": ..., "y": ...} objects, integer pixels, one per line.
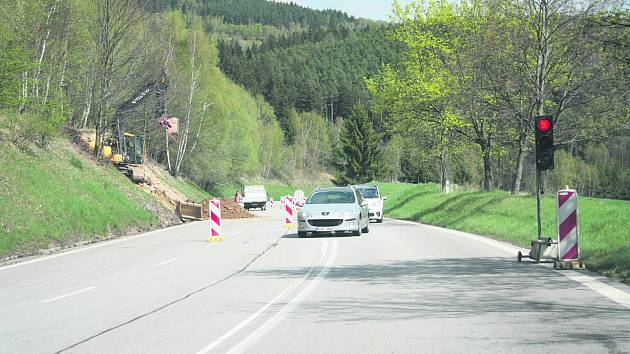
[{"x": 358, "y": 231}]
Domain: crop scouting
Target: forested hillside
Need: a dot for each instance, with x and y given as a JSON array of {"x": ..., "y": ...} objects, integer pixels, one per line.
[
  {"x": 275, "y": 90},
  {"x": 321, "y": 73},
  {"x": 297, "y": 58},
  {"x": 264, "y": 12}
]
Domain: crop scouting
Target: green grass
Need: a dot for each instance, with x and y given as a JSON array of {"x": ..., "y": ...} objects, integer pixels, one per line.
[
  {"x": 227, "y": 190},
  {"x": 57, "y": 197},
  {"x": 604, "y": 223},
  {"x": 190, "y": 190}
]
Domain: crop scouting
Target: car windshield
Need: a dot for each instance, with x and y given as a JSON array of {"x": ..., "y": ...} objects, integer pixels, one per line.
[
  {"x": 332, "y": 197},
  {"x": 369, "y": 192}
]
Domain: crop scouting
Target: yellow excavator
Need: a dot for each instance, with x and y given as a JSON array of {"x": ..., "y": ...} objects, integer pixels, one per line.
[{"x": 127, "y": 150}]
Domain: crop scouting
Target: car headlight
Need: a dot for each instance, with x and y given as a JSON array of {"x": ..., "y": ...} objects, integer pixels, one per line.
[
  {"x": 303, "y": 215},
  {"x": 349, "y": 216}
]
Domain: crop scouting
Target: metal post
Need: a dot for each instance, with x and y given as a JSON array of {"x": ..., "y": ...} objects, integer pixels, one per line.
[{"x": 538, "y": 203}]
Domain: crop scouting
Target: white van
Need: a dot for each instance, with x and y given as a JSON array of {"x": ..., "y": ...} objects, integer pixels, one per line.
[{"x": 254, "y": 197}]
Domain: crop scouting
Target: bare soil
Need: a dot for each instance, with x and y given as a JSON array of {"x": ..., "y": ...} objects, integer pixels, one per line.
[{"x": 231, "y": 210}]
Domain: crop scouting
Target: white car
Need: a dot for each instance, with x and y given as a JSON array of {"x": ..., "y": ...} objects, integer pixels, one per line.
[
  {"x": 375, "y": 202},
  {"x": 333, "y": 211}
]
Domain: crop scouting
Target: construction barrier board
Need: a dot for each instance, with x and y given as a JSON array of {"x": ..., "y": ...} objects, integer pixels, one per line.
[
  {"x": 215, "y": 220},
  {"x": 568, "y": 229}
]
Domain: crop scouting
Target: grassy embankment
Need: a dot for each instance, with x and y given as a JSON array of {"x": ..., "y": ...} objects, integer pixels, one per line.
[
  {"x": 604, "y": 223},
  {"x": 191, "y": 190},
  {"x": 58, "y": 197}
]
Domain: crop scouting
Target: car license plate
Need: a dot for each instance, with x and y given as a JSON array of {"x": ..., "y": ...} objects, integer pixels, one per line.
[{"x": 324, "y": 229}]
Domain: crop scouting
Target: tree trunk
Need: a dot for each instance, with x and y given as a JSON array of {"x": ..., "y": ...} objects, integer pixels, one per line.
[
  {"x": 62, "y": 80},
  {"x": 443, "y": 170},
  {"x": 487, "y": 172},
  {"x": 183, "y": 142},
  {"x": 168, "y": 152},
  {"x": 24, "y": 96},
  {"x": 520, "y": 161},
  {"x": 42, "y": 52},
  {"x": 485, "y": 144}
]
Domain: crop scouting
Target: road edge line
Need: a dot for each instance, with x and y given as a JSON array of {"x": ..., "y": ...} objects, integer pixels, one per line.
[
  {"x": 69, "y": 251},
  {"x": 619, "y": 293}
]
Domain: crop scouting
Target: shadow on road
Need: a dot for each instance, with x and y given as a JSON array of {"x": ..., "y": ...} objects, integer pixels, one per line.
[{"x": 463, "y": 288}]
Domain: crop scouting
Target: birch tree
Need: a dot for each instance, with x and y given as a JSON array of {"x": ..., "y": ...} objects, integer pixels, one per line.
[{"x": 116, "y": 48}]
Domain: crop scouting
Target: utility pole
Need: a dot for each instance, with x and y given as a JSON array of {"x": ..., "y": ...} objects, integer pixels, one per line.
[{"x": 539, "y": 213}]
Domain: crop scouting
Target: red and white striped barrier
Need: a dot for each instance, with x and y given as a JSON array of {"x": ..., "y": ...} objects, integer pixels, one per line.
[
  {"x": 567, "y": 212},
  {"x": 215, "y": 220},
  {"x": 289, "y": 211}
]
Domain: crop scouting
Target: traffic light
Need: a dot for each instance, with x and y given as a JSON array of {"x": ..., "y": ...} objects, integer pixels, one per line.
[{"x": 544, "y": 143}]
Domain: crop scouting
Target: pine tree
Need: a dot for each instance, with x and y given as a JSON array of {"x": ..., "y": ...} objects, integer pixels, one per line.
[{"x": 359, "y": 155}]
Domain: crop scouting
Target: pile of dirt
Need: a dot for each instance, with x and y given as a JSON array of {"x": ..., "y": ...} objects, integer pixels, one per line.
[{"x": 231, "y": 210}]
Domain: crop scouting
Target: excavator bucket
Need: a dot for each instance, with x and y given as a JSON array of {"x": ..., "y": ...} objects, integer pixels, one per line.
[
  {"x": 189, "y": 211},
  {"x": 136, "y": 173}
]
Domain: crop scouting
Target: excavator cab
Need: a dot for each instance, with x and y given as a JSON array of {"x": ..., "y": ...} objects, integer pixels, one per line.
[
  {"x": 128, "y": 156},
  {"x": 135, "y": 149}
]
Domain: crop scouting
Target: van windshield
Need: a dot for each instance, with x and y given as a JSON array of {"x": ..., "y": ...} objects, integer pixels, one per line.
[{"x": 369, "y": 192}]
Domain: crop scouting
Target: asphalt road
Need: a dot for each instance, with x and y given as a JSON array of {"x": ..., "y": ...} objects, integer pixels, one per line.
[{"x": 402, "y": 288}]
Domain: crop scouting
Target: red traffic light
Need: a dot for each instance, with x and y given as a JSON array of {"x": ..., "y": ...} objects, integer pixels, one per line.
[{"x": 543, "y": 124}]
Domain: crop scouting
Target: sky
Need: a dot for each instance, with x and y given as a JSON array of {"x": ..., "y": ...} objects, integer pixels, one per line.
[{"x": 372, "y": 9}]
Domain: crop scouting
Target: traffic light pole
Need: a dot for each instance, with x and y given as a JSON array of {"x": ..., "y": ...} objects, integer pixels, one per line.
[{"x": 538, "y": 204}]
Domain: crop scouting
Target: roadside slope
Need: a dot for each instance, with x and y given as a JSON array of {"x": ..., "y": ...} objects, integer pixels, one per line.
[
  {"x": 59, "y": 197},
  {"x": 604, "y": 230}
]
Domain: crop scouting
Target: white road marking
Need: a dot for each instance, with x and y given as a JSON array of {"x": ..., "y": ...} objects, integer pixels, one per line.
[
  {"x": 604, "y": 289},
  {"x": 587, "y": 280},
  {"x": 87, "y": 248},
  {"x": 167, "y": 262},
  {"x": 68, "y": 295},
  {"x": 503, "y": 246},
  {"x": 250, "y": 340},
  {"x": 249, "y": 319}
]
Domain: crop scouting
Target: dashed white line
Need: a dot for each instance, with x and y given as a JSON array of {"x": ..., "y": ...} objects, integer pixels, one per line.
[
  {"x": 167, "y": 262},
  {"x": 250, "y": 340},
  {"x": 68, "y": 295},
  {"x": 246, "y": 321}
]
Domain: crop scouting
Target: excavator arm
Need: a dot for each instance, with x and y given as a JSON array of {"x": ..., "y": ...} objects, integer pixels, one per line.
[
  {"x": 125, "y": 149},
  {"x": 126, "y": 145}
]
